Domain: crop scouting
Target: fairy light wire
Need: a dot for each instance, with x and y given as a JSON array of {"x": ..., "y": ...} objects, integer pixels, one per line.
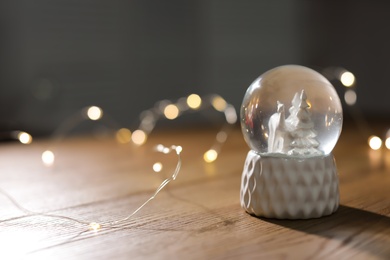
[
  {"x": 165, "y": 182},
  {"x": 148, "y": 119},
  {"x": 31, "y": 213},
  {"x": 95, "y": 226}
]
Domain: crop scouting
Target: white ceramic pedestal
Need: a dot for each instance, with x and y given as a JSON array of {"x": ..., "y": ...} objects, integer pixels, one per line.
[{"x": 289, "y": 188}]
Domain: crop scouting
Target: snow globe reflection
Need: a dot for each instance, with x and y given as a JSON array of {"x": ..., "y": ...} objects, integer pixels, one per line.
[{"x": 291, "y": 118}]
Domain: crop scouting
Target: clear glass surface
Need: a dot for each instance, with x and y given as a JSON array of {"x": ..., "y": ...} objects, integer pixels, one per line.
[{"x": 291, "y": 110}]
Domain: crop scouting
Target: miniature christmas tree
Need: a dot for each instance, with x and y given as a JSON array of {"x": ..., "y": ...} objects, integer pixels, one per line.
[
  {"x": 293, "y": 109},
  {"x": 303, "y": 136}
]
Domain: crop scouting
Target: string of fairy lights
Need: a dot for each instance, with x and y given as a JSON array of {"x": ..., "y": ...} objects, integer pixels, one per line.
[
  {"x": 95, "y": 226},
  {"x": 348, "y": 81},
  {"x": 164, "y": 109},
  {"x": 149, "y": 118},
  {"x": 171, "y": 111}
]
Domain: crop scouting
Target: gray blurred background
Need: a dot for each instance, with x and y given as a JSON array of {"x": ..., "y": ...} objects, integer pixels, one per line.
[{"x": 59, "y": 56}]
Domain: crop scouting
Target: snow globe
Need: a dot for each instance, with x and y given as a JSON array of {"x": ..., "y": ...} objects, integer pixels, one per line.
[{"x": 291, "y": 118}]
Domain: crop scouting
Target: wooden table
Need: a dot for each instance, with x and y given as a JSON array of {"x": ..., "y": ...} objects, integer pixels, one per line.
[{"x": 198, "y": 216}]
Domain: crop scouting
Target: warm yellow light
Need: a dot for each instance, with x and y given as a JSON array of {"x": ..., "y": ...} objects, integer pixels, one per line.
[
  {"x": 171, "y": 111},
  {"x": 139, "y": 137},
  {"x": 48, "y": 158},
  {"x": 347, "y": 79},
  {"x": 230, "y": 114},
  {"x": 178, "y": 149},
  {"x": 387, "y": 143},
  {"x": 94, "y": 113},
  {"x": 219, "y": 103},
  {"x": 157, "y": 167},
  {"x": 374, "y": 142},
  {"x": 123, "y": 136},
  {"x": 350, "y": 97},
  {"x": 194, "y": 101},
  {"x": 94, "y": 226},
  {"x": 24, "y": 138},
  {"x": 159, "y": 147},
  {"x": 210, "y": 156}
]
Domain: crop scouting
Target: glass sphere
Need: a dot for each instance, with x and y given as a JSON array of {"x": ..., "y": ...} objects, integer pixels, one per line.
[{"x": 291, "y": 110}]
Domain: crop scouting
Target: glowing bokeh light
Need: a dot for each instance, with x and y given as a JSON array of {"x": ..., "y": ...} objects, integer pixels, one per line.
[
  {"x": 222, "y": 136},
  {"x": 25, "y": 138},
  {"x": 171, "y": 111},
  {"x": 347, "y": 79},
  {"x": 219, "y": 103},
  {"x": 94, "y": 113},
  {"x": 350, "y": 97},
  {"x": 387, "y": 143},
  {"x": 94, "y": 226},
  {"x": 48, "y": 158},
  {"x": 194, "y": 101},
  {"x": 159, "y": 148},
  {"x": 178, "y": 149},
  {"x": 210, "y": 156},
  {"x": 148, "y": 120},
  {"x": 231, "y": 115},
  {"x": 123, "y": 136},
  {"x": 157, "y": 167},
  {"x": 139, "y": 137},
  {"x": 374, "y": 142}
]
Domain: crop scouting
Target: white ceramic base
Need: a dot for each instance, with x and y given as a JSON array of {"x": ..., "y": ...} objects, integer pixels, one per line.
[{"x": 289, "y": 188}]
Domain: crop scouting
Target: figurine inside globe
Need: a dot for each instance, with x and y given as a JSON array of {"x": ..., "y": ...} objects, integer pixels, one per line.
[{"x": 291, "y": 111}]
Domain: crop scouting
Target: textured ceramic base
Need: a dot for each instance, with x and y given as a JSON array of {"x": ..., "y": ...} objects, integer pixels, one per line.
[{"x": 289, "y": 188}]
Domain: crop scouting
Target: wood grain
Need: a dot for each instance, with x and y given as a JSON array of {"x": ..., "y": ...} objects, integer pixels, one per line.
[{"x": 198, "y": 216}]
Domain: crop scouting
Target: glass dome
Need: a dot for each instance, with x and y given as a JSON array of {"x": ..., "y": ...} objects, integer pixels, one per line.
[{"x": 291, "y": 110}]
